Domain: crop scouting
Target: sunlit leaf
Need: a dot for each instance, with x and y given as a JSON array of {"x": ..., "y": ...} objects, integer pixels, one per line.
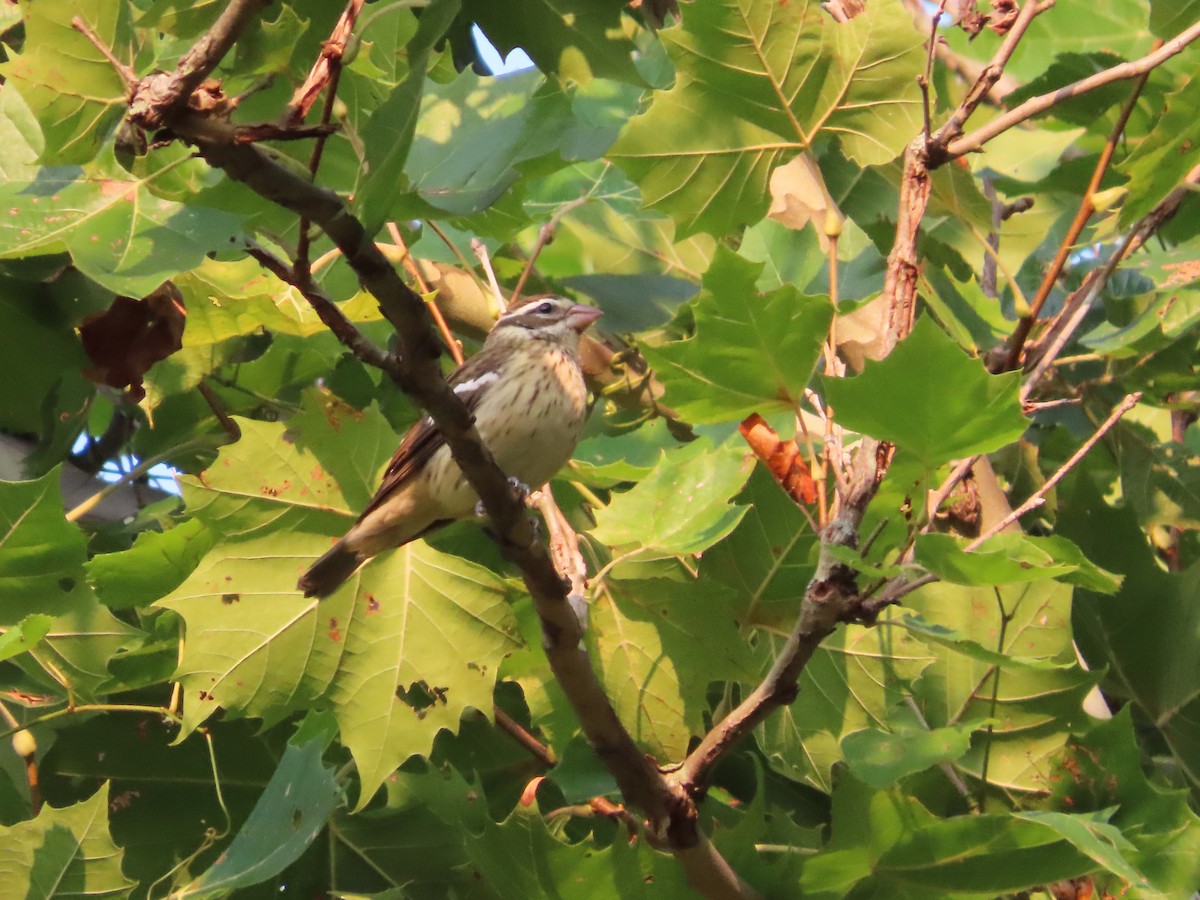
[
  {"x": 751, "y": 353},
  {"x": 680, "y": 507},
  {"x": 931, "y": 399},
  {"x": 61, "y": 847},
  {"x": 757, "y": 83}
]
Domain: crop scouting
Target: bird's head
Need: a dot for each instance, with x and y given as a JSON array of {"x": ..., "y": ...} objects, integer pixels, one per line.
[{"x": 546, "y": 318}]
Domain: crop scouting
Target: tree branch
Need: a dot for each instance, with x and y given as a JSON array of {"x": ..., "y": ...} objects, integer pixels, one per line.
[
  {"x": 1039, "y": 496},
  {"x": 158, "y": 96},
  {"x": 162, "y": 100},
  {"x": 1082, "y": 215},
  {"x": 1034, "y": 105}
]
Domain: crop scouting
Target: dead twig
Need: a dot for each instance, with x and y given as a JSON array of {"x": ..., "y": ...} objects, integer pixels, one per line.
[
  {"x": 1039, "y": 496},
  {"x": 1082, "y": 216},
  {"x": 324, "y": 75},
  {"x": 325, "y": 70}
]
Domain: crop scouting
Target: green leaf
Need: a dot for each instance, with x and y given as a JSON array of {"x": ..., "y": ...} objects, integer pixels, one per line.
[
  {"x": 658, "y": 645},
  {"x": 931, "y": 399},
  {"x": 156, "y": 564},
  {"x": 758, "y": 83},
  {"x": 401, "y": 651},
  {"x": 1099, "y": 840},
  {"x": 1161, "y": 482},
  {"x": 289, "y": 815},
  {"x": 161, "y": 789},
  {"x": 1164, "y": 155},
  {"x": 575, "y": 40},
  {"x": 1151, "y": 660},
  {"x": 20, "y": 137},
  {"x": 605, "y": 460},
  {"x": 959, "y": 643},
  {"x": 273, "y": 479},
  {"x": 1101, "y": 771},
  {"x": 64, "y": 852},
  {"x": 752, "y": 352},
  {"x": 117, "y": 232},
  {"x": 388, "y": 134},
  {"x": 74, "y": 91},
  {"x": 1169, "y": 17},
  {"x": 38, "y": 355},
  {"x": 770, "y": 557},
  {"x": 1011, "y": 559},
  {"x": 474, "y": 139},
  {"x": 1038, "y": 693},
  {"x": 680, "y": 507},
  {"x": 896, "y": 848},
  {"x": 41, "y": 553},
  {"x": 854, "y": 678},
  {"x": 880, "y": 758},
  {"x": 41, "y": 572},
  {"x": 990, "y": 854},
  {"x": 24, "y": 635}
]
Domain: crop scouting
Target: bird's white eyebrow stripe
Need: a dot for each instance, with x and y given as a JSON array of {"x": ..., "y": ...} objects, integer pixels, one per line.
[{"x": 475, "y": 383}]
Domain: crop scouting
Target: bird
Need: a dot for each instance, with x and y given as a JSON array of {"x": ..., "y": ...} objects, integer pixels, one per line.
[{"x": 526, "y": 390}]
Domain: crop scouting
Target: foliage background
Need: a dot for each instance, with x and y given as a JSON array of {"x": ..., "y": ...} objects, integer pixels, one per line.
[{"x": 188, "y": 722}]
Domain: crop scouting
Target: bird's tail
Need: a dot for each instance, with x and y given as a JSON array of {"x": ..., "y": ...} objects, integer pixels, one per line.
[{"x": 327, "y": 573}]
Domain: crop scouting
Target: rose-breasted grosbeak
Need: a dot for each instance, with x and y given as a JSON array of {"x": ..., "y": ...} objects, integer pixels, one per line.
[{"x": 526, "y": 390}]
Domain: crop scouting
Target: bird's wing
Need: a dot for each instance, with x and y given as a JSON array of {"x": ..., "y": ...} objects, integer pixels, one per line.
[{"x": 469, "y": 381}]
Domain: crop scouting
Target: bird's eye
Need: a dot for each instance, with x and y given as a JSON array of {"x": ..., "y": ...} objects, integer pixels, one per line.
[{"x": 545, "y": 309}]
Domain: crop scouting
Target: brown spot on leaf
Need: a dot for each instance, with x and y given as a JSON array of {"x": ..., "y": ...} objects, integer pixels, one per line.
[
  {"x": 230, "y": 598},
  {"x": 335, "y": 632}
]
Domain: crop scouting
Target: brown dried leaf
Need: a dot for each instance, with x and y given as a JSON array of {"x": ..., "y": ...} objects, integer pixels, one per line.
[
  {"x": 782, "y": 459},
  {"x": 799, "y": 196},
  {"x": 125, "y": 340},
  {"x": 1004, "y": 13}
]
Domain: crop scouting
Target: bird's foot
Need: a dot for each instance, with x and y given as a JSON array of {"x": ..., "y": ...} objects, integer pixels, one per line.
[{"x": 520, "y": 490}]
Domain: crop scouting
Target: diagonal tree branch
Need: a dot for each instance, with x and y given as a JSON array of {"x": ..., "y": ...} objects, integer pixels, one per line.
[
  {"x": 1034, "y": 105},
  {"x": 161, "y": 101}
]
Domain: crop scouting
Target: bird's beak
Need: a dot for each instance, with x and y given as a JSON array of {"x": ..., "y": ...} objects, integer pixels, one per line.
[{"x": 580, "y": 317}]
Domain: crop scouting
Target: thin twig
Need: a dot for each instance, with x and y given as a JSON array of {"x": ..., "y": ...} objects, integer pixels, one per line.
[
  {"x": 545, "y": 236},
  {"x": 1034, "y": 105},
  {"x": 966, "y": 68},
  {"x": 126, "y": 73},
  {"x": 328, "y": 312},
  {"x": 479, "y": 248},
  {"x": 1039, "y": 496},
  {"x": 987, "y": 78},
  {"x": 452, "y": 343},
  {"x": 324, "y": 75},
  {"x": 214, "y": 403},
  {"x": 924, "y": 79},
  {"x": 1077, "y": 305},
  {"x": 1082, "y": 215},
  {"x": 513, "y": 729}
]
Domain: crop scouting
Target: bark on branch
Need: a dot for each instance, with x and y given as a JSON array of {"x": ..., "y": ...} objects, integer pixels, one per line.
[{"x": 161, "y": 100}]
